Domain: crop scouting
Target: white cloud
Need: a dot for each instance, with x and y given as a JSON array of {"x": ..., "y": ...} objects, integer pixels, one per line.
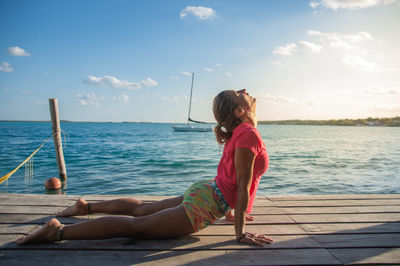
[
  {"x": 26, "y": 92},
  {"x": 314, "y": 4},
  {"x": 208, "y": 69},
  {"x": 345, "y": 41},
  {"x": 200, "y": 12},
  {"x": 122, "y": 98},
  {"x": 380, "y": 91},
  {"x": 286, "y": 50},
  {"x": 218, "y": 64},
  {"x": 345, "y": 4},
  {"x": 174, "y": 77},
  {"x": 186, "y": 73},
  {"x": 6, "y": 89},
  {"x": 109, "y": 81},
  {"x": 17, "y": 51},
  {"x": 149, "y": 82},
  {"x": 88, "y": 99},
  {"x": 284, "y": 100},
  {"x": 360, "y": 64},
  {"x": 6, "y": 67},
  {"x": 351, "y": 44},
  {"x": 229, "y": 74},
  {"x": 311, "y": 46},
  {"x": 278, "y": 99}
]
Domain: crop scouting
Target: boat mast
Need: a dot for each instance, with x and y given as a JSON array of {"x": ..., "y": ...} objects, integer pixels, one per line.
[{"x": 190, "y": 102}]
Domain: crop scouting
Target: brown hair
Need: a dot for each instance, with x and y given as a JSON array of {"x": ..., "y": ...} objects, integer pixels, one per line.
[{"x": 224, "y": 112}]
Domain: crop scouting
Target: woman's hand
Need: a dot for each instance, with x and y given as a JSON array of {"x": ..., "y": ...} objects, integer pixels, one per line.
[
  {"x": 255, "y": 239},
  {"x": 229, "y": 216}
]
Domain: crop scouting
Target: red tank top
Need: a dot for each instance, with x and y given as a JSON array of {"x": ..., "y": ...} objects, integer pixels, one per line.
[{"x": 244, "y": 136}]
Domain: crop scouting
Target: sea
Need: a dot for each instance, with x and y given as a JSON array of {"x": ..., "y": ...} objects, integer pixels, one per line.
[{"x": 152, "y": 159}]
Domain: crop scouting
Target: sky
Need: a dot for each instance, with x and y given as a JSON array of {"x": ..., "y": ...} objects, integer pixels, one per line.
[{"x": 132, "y": 60}]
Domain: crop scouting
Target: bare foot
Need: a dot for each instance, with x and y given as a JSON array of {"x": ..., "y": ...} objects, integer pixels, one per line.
[
  {"x": 47, "y": 233},
  {"x": 79, "y": 208}
]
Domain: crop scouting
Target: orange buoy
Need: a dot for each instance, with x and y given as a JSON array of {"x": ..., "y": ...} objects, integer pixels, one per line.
[{"x": 52, "y": 183}]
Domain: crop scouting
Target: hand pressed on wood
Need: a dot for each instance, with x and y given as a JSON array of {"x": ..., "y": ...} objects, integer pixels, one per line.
[{"x": 255, "y": 239}]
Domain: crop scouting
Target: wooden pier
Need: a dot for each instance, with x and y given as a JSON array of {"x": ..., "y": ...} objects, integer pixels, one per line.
[{"x": 322, "y": 230}]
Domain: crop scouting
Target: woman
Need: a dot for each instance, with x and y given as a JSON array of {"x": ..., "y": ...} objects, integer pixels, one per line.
[{"x": 243, "y": 162}]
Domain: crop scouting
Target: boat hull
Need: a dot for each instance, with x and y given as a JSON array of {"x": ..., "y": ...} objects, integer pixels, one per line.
[{"x": 191, "y": 129}]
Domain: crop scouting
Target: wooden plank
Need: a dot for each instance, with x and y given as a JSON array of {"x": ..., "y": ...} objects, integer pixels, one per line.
[
  {"x": 260, "y": 210},
  {"x": 181, "y": 243},
  {"x": 338, "y": 203},
  {"x": 264, "y": 219},
  {"x": 36, "y": 209},
  {"x": 378, "y": 256},
  {"x": 188, "y": 257},
  {"x": 16, "y": 228},
  {"x": 279, "y": 229},
  {"x": 12, "y": 196},
  {"x": 46, "y": 200},
  {"x": 10, "y": 218},
  {"x": 332, "y": 197},
  {"x": 357, "y": 217},
  {"x": 358, "y": 240},
  {"x": 269, "y": 229},
  {"x": 8, "y": 240},
  {"x": 112, "y": 197},
  {"x": 263, "y": 202},
  {"x": 351, "y": 228},
  {"x": 223, "y": 243},
  {"x": 341, "y": 210}
]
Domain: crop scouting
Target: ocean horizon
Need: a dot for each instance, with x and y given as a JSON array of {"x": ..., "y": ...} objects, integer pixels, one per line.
[{"x": 141, "y": 158}]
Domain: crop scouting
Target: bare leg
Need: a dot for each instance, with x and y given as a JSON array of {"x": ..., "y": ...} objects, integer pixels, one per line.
[
  {"x": 120, "y": 206},
  {"x": 171, "y": 222}
]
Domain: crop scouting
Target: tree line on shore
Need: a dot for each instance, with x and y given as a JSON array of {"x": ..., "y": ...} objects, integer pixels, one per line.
[
  {"x": 384, "y": 122},
  {"x": 388, "y": 122}
]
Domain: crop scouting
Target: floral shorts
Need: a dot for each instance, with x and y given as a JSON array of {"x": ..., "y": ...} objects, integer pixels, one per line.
[{"x": 204, "y": 204}]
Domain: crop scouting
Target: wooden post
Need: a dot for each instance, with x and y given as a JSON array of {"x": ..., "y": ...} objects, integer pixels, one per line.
[{"x": 53, "y": 103}]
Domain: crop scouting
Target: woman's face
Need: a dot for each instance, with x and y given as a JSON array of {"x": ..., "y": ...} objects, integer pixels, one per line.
[{"x": 244, "y": 100}]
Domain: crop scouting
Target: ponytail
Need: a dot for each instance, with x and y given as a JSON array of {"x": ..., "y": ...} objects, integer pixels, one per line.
[{"x": 224, "y": 112}]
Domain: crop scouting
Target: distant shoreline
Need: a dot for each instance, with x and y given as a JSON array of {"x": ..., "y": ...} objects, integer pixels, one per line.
[{"x": 383, "y": 122}]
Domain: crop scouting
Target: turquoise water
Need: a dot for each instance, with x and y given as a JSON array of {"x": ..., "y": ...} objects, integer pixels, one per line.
[{"x": 151, "y": 159}]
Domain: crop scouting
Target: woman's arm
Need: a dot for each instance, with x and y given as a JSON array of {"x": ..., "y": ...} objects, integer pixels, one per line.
[{"x": 244, "y": 164}]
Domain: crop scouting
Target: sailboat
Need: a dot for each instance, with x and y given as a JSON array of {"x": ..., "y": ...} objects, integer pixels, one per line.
[{"x": 190, "y": 127}]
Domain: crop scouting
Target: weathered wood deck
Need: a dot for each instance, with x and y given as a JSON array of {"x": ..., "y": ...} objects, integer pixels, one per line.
[{"x": 331, "y": 230}]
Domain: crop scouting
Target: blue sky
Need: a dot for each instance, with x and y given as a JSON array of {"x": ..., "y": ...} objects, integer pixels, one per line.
[{"x": 131, "y": 60}]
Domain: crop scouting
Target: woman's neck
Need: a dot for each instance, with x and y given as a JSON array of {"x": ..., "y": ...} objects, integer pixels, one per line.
[{"x": 251, "y": 119}]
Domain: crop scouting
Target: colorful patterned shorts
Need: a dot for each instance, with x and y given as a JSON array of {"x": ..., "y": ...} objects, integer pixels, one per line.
[{"x": 204, "y": 204}]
